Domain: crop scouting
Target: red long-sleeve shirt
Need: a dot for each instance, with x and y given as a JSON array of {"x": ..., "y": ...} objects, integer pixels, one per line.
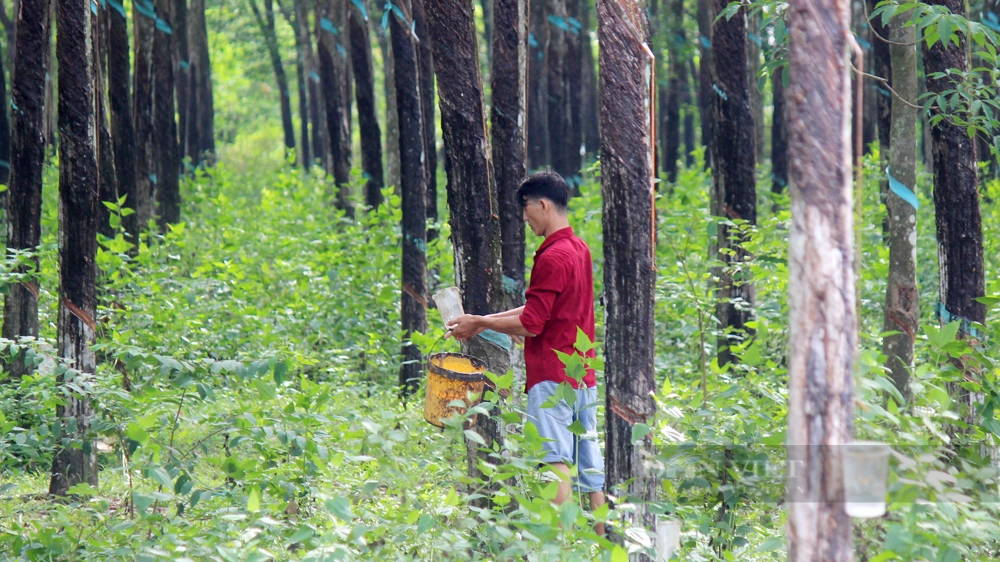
[{"x": 559, "y": 299}]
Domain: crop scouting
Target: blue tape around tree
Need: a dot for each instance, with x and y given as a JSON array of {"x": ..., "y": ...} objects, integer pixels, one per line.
[
  {"x": 361, "y": 7},
  {"x": 497, "y": 339},
  {"x": 4, "y": 164},
  {"x": 328, "y": 26},
  {"x": 904, "y": 193},
  {"x": 719, "y": 91},
  {"x": 947, "y": 317},
  {"x": 117, "y": 6},
  {"x": 559, "y": 22}
]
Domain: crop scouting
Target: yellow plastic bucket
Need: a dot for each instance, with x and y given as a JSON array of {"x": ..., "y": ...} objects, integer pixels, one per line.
[{"x": 451, "y": 377}]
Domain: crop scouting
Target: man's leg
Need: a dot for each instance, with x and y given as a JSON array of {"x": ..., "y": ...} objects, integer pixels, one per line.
[
  {"x": 564, "y": 482},
  {"x": 597, "y": 500}
]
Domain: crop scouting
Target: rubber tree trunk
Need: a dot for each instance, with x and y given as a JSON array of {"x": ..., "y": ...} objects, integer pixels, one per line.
[
  {"x": 122, "y": 126},
  {"x": 538, "y": 127},
  {"x": 203, "y": 102},
  {"x": 392, "y": 157},
  {"x": 822, "y": 323},
  {"x": 24, "y": 210},
  {"x": 364, "y": 91},
  {"x": 882, "y": 67},
  {"x": 753, "y": 45},
  {"x": 690, "y": 144},
  {"x": 779, "y": 133},
  {"x": 488, "y": 25},
  {"x": 331, "y": 15},
  {"x": 902, "y": 301},
  {"x": 425, "y": 56},
  {"x": 304, "y": 151},
  {"x": 507, "y": 117},
  {"x": 266, "y": 24},
  {"x": 414, "y": 296},
  {"x": 71, "y": 464},
  {"x": 145, "y": 147},
  {"x": 4, "y": 128},
  {"x": 591, "y": 113},
  {"x": 168, "y": 194},
  {"x": 674, "y": 14},
  {"x": 627, "y": 85},
  {"x": 706, "y": 13},
  {"x": 304, "y": 39},
  {"x": 182, "y": 69},
  {"x": 956, "y": 207},
  {"x": 734, "y": 189},
  {"x": 472, "y": 199},
  {"x": 555, "y": 66},
  {"x": 107, "y": 179},
  {"x": 573, "y": 66}
]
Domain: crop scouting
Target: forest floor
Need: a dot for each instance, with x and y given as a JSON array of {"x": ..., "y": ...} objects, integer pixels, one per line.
[{"x": 260, "y": 343}]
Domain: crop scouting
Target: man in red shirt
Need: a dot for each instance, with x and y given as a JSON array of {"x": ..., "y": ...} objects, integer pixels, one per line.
[{"x": 559, "y": 300}]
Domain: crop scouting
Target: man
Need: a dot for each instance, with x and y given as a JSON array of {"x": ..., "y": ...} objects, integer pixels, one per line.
[{"x": 559, "y": 299}]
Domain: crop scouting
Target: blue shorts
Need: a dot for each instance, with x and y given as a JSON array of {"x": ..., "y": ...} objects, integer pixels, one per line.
[{"x": 561, "y": 444}]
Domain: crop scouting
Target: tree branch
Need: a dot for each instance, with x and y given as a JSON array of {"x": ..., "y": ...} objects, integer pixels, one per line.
[{"x": 887, "y": 86}]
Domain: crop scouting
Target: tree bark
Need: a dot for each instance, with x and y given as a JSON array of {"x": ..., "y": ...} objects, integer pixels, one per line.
[
  {"x": 168, "y": 195},
  {"x": 734, "y": 190},
  {"x": 266, "y": 24},
  {"x": 753, "y": 45},
  {"x": 823, "y": 326},
  {"x": 472, "y": 198},
  {"x": 591, "y": 114},
  {"x": 956, "y": 207},
  {"x": 364, "y": 91},
  {"x": 24, "y": 211},
  {"x": 182, "y": 78},
  {"x": 538, "y": 127},
  {"x": 4, "y": 127},
  {"x": 411, "y": 150},
  {"x": 690, "y": 144},
  {"x": 902, "y": 301},
  {"x": 392, "y": 156},
  {"x": 122, "y": 127},
  {"x": 779, "y": 134},
  {"x": 203, "y": 102},
  {"x": 425, "y": 56},
  {"x": 507, "y": 117},
  {"x": 145, "y": 147},
  {"x": 882, "y": 67},
  {"x": 78, "y": 241},
  {"x": 304, "y": 38},
  {"x": 107, "y": 179},
  {"x": 627, "y": 85},
  {"x": 557, "y": 110},
  {"x": 303, "y": 154},
  {"x": 330, "y": 31}
]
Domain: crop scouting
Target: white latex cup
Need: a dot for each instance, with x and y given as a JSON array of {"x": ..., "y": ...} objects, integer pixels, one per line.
[
  {"x": 668, "y": 538},
  {"x": 866, "y": 475},
  {"x": 449, "y": 304}
]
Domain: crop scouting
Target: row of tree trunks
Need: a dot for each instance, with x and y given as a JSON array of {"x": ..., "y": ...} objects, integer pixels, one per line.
[
  {"x": 267, "y": 28},
  {"x": 507, "y": 116},
  {"x": 472, "y": 198},
  {"x": 413, "y": 302},
  {"x": 902, "y": 301},
  {"x": 304, "y": 149},
  {"x": 122, "y": 125},
  {"x": 20, "y": 313},
  {"x": 425, "y": 55},
  {"x": 78, "y": 184},
  {"x": 331, "y": 33},
  {"x": 956, "y": 203},
  {"x": 627, "y": 86},
  {"x": 364, "y": 89},
  {"x": 823, "y": 327},
  {"x": 734, "y": 191}
]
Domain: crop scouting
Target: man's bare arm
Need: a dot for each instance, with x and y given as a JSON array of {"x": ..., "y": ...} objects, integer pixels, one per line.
[
  {"x": 507, "y": 313},
  {"x": 469, "y": 325}
]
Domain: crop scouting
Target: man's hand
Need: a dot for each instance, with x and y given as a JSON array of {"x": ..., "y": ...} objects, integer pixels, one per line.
[{"x": 466, "y": 326}]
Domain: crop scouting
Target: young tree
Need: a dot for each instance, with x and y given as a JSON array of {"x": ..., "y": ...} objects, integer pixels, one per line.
[
  {"x": 76, "y": 462},
  {"x": 425, "y": 56},
  {"x": 956, "y": 200},
  {"x": 627, "y": 85},
  {"x": 538, "y": 126},
  {"x": 122, "y": 126},
  {"x": 822, "y": 323},
  {"x": 734, "y": 187},
  {"x": 507, "y": 117},
  {"x": 472, "y": 199},
  {"x": 902, "y": 301},
  {"x": 168, "y": 194},
  {"x": 364, "y": 90},
  {"x": 411, "y": 150},
  {"x": 24, "y": 210},
  {"x": 267, "y": 28},
  {"x": 144, "y": 16},
  {"x": 201, "y": 142},
  {"x": 331, "y": 15}
]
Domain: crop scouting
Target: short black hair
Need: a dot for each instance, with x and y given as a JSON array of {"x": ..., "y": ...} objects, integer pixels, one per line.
[{"x": 544, "y": 185}]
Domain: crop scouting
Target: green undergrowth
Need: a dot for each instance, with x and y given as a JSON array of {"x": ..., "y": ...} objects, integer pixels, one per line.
[{"x": 246, "y": 406}]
